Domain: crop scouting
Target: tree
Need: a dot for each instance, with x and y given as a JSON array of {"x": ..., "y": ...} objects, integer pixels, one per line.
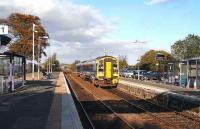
[
  {"x": 149, "y": 62},
  {"x": 73, "y": 65},
  {"x": 55, "y": 63},
  {"x": 123, "y": 63},
  {"x": 186, "y": 48},
  {"x": 21, "y": 25}
]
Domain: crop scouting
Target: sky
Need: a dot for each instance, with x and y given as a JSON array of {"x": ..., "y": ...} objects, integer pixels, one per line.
[{"x": 84, "y": 29}]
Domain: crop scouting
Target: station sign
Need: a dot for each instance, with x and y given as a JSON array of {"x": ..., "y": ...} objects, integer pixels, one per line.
[
  {"x": 3, "y": 29},
  {"x": 5, "y": 37},
  {"x": 160, "y": 56}
]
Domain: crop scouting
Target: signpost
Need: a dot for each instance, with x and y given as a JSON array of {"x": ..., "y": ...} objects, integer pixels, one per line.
[
  {"x": 4, "y": 38},
  {"x": 3, "y": 29},
  {"x": 160, "y": 56}
]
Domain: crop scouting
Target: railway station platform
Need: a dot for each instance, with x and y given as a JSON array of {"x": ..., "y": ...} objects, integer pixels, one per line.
[
  {"x": 40, "y": 104},
  {"x": 160, "y": 88},
  {"x": 168, "y": 96},
  {"x": 69, "y": 115}
]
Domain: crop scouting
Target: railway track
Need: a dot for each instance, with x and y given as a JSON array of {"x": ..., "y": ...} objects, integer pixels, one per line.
[
  {"x": 186, "y": 113},
  {"x": 98, "y": 114},
  {"x": 151, "y": 114},
  {"x": 134, "y": 116},
  {"x": 173, "y": 118}
]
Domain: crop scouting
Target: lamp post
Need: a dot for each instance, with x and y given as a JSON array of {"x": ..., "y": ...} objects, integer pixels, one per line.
[
  {"x": 171, "y": 72},
  {"x": 138, "y": 69},
  {"x": 44, "y": 37},
  {"x": 47, "y": 65},
  {"x": 139, "y": 42},
  {"x": 51, "y": 64},
  {"x": 52, "y": 67},
  {"x": 33, "y": 56},
  {"x": 157, "y": 66},
  {"x": 180, "y": 81}
]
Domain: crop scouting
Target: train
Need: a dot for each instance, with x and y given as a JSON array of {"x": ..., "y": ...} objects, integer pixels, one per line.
[{"x": 102, "y": 71}]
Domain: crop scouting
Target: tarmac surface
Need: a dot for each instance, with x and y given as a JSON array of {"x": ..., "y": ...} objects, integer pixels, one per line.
[{"x": 29, "y": 107}]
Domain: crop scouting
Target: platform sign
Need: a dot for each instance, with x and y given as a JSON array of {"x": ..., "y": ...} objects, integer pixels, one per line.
[
  {"x": 3, "y": 29},
  {"x": 5, "y": 37},
  {"x": 160, "y": 56}
]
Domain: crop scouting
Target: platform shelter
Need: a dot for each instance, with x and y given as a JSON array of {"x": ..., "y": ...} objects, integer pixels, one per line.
[
  {"x": 12, "y": 71},
  {"x": 190, "y": 72}
]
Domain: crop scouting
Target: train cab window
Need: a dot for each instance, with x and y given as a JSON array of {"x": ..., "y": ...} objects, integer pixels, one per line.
[
  {"x": 100, "y": 70},
  {"x": 115, "y": 68},
  {"x": 101, "y": 67}
]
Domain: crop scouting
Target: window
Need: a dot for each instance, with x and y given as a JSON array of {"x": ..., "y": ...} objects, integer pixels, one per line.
[
  {"x": 101, "y": 66},
  {"x": 115, "y": 70},
  {"x": 18, "y": 68},
  {"x": 4, "y": 66}
]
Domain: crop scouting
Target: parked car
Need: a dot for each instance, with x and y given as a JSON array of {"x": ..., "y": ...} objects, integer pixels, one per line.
[
  {"x": 141, "y": 74},
  {"x": 153, "y": 75},
  {"x": 122, "y": 72},
  {"x": 128, "y": 74}
]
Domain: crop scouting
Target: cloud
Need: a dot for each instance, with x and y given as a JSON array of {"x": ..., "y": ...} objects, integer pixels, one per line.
[
  {"x": 63, "y": 19},
  {"x": 153, "y": 2},
  {"x": 76, "y": 31}
]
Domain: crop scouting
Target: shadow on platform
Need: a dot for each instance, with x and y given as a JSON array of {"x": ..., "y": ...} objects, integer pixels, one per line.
[{"x": 28, "y": 109}]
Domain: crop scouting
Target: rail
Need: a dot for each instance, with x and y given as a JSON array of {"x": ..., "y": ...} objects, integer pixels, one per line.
[
  {"x": 105, "y": 105},
  {"x": 168, "y": 118},
  {"x": 148, "y": 112},
  {"x": 183, "y": 114}
]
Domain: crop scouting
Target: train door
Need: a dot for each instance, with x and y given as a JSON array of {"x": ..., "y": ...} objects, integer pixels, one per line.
[{"x": 108, "y": 70}]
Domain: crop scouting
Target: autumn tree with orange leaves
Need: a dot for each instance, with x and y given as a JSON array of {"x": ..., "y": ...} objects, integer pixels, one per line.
[{"x": 21, "y": 25}]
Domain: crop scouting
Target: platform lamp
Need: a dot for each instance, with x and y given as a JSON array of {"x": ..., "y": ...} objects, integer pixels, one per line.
[
  {"x": 180, "y": 74},
  {"x": 47, "y": 62},
  {"x": 171, "y": 70},
  {"x": 138, "y": 69},
  {"x": 40, "y": 38},
  {"x": 33, "y": 51}
]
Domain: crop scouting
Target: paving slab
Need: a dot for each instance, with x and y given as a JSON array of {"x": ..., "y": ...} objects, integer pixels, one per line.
[{"x": 40, "y": 104}]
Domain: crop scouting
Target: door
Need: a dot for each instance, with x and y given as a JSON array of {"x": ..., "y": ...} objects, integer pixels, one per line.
[{"x": 108, "y": 69}]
